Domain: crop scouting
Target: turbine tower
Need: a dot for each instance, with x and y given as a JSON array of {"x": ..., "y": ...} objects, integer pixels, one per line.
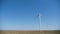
[{"x": 40, "y": 19}]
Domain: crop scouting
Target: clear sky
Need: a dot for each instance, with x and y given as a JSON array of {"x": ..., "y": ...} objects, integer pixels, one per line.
[{"x": 22, "y": 14}]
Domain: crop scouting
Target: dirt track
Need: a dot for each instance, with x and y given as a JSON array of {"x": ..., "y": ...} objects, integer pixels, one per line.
[{"x": 29, "y": 32}]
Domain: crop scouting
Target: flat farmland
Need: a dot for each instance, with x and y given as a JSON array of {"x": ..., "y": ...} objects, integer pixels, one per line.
[{"x": 30, "y": 32}]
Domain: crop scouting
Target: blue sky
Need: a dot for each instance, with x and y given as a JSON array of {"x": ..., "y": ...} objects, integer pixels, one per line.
[{"x": 22, "y": 14}]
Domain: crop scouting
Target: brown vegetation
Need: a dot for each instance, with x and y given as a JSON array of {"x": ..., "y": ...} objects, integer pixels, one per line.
[{"x": 30, "y": 32}]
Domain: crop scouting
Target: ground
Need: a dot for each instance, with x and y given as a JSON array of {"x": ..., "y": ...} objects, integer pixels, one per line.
[{"x": 30, "y": 32}]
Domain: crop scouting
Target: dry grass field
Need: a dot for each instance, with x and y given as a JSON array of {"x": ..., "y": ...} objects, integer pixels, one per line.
[{"x": 30, "y": 32}]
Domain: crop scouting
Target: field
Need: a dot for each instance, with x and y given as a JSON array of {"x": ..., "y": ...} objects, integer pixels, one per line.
[{"x": 30, "y": 32}]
